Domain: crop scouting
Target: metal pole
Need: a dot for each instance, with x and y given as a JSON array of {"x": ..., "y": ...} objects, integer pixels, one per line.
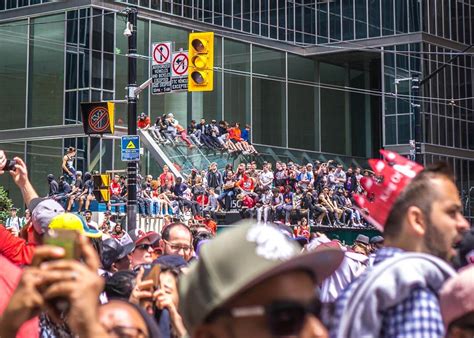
[
  {"x": 132, "y": 120},
  {"x": 415, "y": 89}
]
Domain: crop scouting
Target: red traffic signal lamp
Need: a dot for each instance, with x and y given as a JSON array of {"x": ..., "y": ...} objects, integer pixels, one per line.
[{"x": 201, "y": 62}]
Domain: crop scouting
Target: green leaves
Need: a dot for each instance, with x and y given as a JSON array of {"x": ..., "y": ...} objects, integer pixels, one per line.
[{"x": 5, "y": 205}]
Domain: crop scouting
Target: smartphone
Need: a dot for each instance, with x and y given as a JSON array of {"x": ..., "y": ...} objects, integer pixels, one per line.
[
  {"x": 154, "y": 275},
  {"x": 10, "y": 165},
  {"x": 66, "y": 239},
  {"x": 149, "y": 305}
]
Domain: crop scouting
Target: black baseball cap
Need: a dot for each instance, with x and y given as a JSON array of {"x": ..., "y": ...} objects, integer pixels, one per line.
[
  {"x": 171, "y": 261},
  {"x": 376, "y": 239},
  {"x": 113, "y": 251}
]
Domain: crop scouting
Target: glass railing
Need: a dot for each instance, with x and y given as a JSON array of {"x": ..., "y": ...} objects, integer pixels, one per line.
[
  {"x": 273, "y": 154},
  {"x": 185, "y": 159},
  {"x": 178, "y": 155}
]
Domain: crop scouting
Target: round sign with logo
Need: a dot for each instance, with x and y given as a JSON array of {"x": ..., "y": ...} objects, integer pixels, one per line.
[{"x": 99, "y": 120}]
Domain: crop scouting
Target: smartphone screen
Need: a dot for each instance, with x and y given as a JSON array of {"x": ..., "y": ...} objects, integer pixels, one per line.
[
  {"x": 65, "y": 239},
  {"x": 154, "y": 275}
]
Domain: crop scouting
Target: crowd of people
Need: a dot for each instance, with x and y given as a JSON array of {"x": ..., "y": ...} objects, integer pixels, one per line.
[
  {"x": 315, "y": 193},
  {"x": 252, "y": 280},
  {"x": 222, "y": 136}
]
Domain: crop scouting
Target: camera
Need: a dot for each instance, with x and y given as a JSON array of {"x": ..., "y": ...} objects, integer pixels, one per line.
[
  {"x": 128, "y": 31},
  {"x": 10, "y": 165}
]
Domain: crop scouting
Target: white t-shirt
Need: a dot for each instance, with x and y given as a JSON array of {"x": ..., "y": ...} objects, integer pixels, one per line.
[
  {"x": 14, "y": 222},
  {"x": 266, "y": 178},
  {"x": 93, "y": 224}
]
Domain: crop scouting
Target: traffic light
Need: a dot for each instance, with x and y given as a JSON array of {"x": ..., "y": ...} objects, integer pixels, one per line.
[
  {"x": 201, "y": 62},
  {"x": 101, "y": 188}
]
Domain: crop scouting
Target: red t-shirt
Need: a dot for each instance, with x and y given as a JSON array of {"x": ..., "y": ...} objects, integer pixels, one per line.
[
  {"x": 202, "y": 199},
  {"x": 246, "y": 183},
  {"x": 115, "y": 189},
  {"x": 9, "y": 278},
  {"x": 15, "y": 249},
  {"x": 167, "y": 179},
  {"x": 143, "y": 123}
]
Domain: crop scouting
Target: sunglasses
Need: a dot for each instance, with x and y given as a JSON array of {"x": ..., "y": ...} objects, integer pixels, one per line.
[
  {"x": 144, "y": 246},
  {"x": 284, "y": 317}
]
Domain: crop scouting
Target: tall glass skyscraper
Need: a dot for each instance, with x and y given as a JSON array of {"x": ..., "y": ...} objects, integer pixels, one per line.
[{"x": 315, "y": 78}]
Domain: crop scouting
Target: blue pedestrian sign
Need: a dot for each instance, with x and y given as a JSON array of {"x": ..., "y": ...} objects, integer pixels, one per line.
[{"x": 130, "y": 148}]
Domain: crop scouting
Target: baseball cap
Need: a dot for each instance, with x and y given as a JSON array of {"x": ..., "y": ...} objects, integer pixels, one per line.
[
  {"x": 74, "y": 222},
  {"x": 43, "y": 210},
  {"x": 376, "y": 239},
  {"x": 172, "y": 261},
  {"x": 113, "y": 251},
  {"x": 138, "y": 236},
  {"x": 456, "y": 297},
  {"x": 240, "y": 258},
  {"x": 362, "y": 239}
]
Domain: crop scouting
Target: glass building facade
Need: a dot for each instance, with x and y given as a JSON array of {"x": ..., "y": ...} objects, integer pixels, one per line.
[{"x": 321, "y": 77}]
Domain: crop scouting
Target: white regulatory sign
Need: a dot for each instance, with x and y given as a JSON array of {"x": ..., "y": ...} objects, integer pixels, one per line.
[
  {"x": 161, "y": 53},
  {"x": 179, "y": 64}
]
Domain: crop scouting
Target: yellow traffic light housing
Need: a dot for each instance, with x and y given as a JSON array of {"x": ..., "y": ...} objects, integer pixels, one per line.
[
  {"x": 101, "y": 188},
  {"x": 201, "y": 62}
]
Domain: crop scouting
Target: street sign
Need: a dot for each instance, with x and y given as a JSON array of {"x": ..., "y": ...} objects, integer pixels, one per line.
[
  {"x": 180, "y": 64},
  {"x": 179, "y": 71},
  {"x": 130, "y": 148},
  {"x": 98, "y": 117},
  {"x": 161, "y": 53},
  {"x": 161, "y": 67}
]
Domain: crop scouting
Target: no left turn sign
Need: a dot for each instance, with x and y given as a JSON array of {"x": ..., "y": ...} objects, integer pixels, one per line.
[
  {"x": 161, "y": 53},
  {"x": 179, "y": 64}
]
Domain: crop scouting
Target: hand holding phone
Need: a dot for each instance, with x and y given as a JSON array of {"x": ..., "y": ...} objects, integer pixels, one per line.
[
  {"x": 142, "y": 293},
  {"x": 78, "y": 283}
]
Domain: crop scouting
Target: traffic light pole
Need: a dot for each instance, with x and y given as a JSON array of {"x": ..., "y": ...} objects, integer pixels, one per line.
[
  {"x": 132, "y": 208},
  {"x": 415, "y": 88}
]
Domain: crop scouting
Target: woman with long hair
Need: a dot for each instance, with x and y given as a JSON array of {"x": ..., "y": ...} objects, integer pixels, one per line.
[{"x": 69, "y": 171}]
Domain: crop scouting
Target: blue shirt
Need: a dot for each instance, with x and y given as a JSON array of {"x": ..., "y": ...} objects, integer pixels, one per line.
[
  {"x": 416, "y": 316},
  {"x": 245, "y": 135},
  {"x": 179, "y": 189}
]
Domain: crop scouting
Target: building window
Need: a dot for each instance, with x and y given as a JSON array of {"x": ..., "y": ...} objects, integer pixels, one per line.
[
  {"x": 46, "y": 71},
  {"x": 13, "y": 66}
]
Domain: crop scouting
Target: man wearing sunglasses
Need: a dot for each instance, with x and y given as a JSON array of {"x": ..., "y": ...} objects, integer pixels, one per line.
[
  {"x": 251, "y": 281},
  {"x": 176, "y": 239},
  {"x": 142, "y": 254}
]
